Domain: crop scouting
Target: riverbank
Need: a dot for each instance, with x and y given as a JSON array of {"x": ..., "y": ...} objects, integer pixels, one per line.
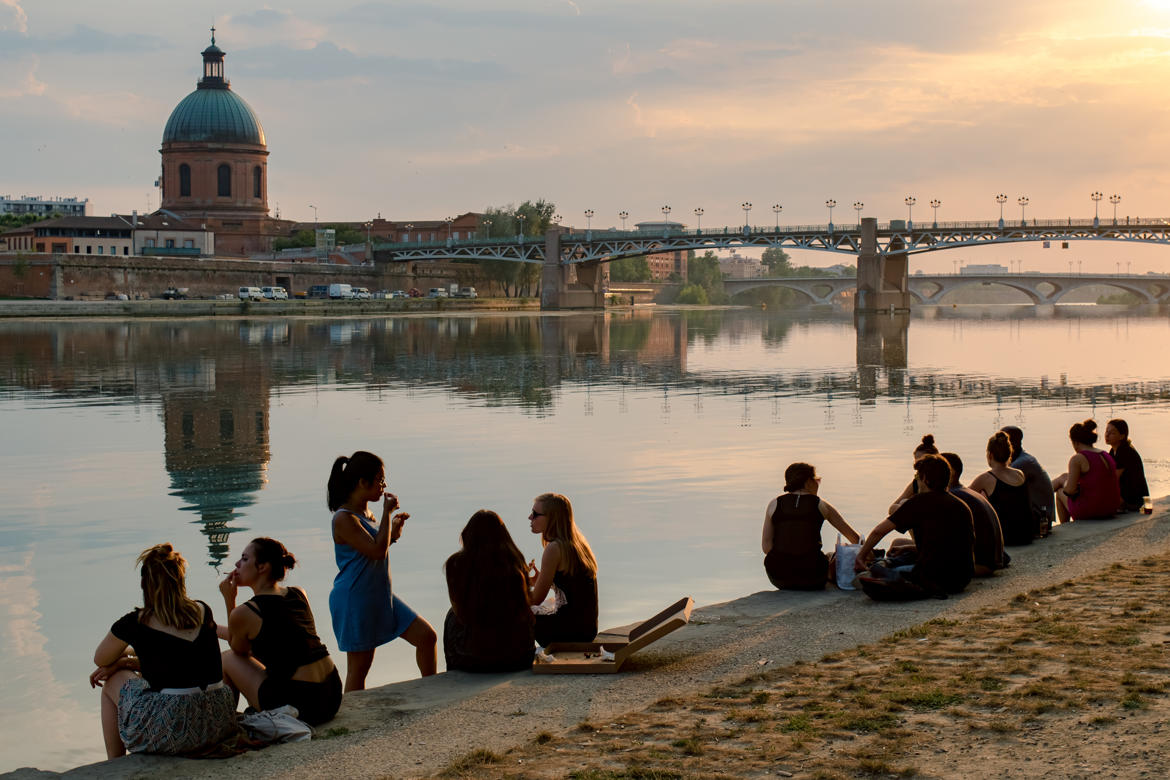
[
  {"x": 316, "y": 307},
  {"x": 745, "y": 674}
]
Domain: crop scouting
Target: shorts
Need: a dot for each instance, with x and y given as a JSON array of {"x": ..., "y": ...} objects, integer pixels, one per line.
[{"x": 316, "y": 702}]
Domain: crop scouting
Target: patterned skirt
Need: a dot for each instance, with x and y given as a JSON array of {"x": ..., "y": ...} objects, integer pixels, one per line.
[{"x": 172, "y": 723}]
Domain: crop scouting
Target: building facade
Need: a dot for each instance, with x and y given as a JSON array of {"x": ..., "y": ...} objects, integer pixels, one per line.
[{"x": 43, "y": 207}]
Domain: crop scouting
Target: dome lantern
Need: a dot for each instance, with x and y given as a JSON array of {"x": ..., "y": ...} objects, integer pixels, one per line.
[{"x": 213, "y": 77}]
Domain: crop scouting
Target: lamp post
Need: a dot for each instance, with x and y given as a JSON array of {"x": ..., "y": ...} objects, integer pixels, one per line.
[
  {"x": 1115, "y": 199},
  {"x": 910, "y": 200},
  {"x": 1096, "y": 197},
  {"x": 623, "y": 216},
  {"x": 747, "y": 210},
  {"x": 934, "y": 204},
  {"x": 314, "y": 208},
  {"x": 699, "y": 219},
  {"x": 665, "y": 220},
  {"x": 588, "y": 219},
  {"x": 1119, "y": 268},
  {"x": 557, "y": 218},
  {"x": 956, "y": 262},
  {"x": 1023, "y": 201},
  {"x": 830, "y": 204},
  {"x": 1001, "y": 199},
  {"x": 487, "y": 228},
  {"x": 409, "y": 227},
  {"x": 858, "y": 206},
  {"x": 449, "y": 220},
  {"x": 520, "y": 220},
  {"x": 776, "y": 209}
]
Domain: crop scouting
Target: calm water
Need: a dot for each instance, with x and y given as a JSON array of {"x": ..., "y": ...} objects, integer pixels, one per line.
[{"x": 668, "y": 430}]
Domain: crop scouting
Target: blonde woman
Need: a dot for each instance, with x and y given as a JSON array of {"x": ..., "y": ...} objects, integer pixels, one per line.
[
  {"x": 167, "y": 695},
  {"x": 567, "y": 565}
]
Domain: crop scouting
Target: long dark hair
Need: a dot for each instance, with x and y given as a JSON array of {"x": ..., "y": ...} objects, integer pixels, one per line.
[
  {"x": 164, "y": 588},
  {"x": 487, "y": 579},
  {"x": 1084, "y": 432},
  {"x": 279, "y": 559},
  {"x": 999, "y": 447},
  {"x": 1122, "y": 427},
  {"x": 346, "y": 474}
]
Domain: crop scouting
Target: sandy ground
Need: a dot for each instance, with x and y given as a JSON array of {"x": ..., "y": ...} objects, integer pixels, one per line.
[{"x": 1023, "y": 675}]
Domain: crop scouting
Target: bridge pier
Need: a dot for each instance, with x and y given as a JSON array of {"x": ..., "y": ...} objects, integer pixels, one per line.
[
  {"x": 568, "y": 287},
  {"x": 882, "y": 280}
]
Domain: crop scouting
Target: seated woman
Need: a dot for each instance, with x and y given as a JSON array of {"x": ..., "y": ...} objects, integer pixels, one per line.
[
  {"x": 943, "y": 532},
  {"x": 567, "y": 565},
  {"x": 1089, "y": 489},
  {"x": 792, "y": 532},
  {"x": 925, "y": 447},
  {"x": 489, "y": 625},
  {"x": 178, "y": 703},
  {"x": 276, "y": 657},
  {"x": 989, "y": 553},
  {"x": 1007, "y": 490},
  {"x": 1131, "y": 474}
]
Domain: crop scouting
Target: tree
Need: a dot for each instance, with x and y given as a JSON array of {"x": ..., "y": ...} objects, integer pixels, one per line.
[
  {"x": 692, "y": 293},
  {"x": 775, "y": 260},
  {"x": 505, "y": 222},
  {"x": 703, "y": 271},
  {"x": 630, "y": 269}
]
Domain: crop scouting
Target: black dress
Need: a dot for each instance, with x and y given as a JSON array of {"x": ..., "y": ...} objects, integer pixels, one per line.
[
  {"x": 1014, "y": 508},
  {"x": 576, "y": 620},
  {"x": 796, "y": 561},
  {"x": 495, "y": 634}
]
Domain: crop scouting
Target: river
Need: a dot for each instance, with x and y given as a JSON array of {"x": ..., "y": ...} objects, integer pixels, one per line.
[{"x": 668, "y": 429}]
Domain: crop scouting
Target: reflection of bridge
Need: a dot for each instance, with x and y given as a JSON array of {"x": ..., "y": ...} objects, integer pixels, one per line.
[
  {"x": 932, "y": 288},
  {"x": 571, "y": 260}
]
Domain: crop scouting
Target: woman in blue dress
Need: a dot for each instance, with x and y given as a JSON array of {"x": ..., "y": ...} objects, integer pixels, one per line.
[{"x": 365, "y": 611}]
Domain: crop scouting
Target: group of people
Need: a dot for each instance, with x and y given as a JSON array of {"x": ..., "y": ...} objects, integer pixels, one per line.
[
  {"x": 956, "y": 532},
  {"x": 168, "y": 688}
]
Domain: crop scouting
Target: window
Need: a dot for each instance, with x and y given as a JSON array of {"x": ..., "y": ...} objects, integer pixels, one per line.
[
  {"x": 256, "y": 182},
  {"x": 76, "y": 249},
  {"x": 113, "y": 250},
  {"x": 150, "y": 242},
  {"x": 88, "y": 248},
  {"x": 224, "y": 180},
  {"x": 101, "y": 250},
  {"x": 170, "y": 243},
  {"x": 184, "y": 181},
  {"x": 188, "y": 243},
  {"x": 126, "y": 251}
]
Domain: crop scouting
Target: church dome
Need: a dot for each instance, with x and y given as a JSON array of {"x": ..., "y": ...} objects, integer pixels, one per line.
[
  {"x": 213, "y": 113},
  {"x": 216, "y": 116}
]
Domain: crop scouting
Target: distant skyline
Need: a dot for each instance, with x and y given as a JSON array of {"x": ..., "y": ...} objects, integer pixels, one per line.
[{"x": 420, "y": 110}]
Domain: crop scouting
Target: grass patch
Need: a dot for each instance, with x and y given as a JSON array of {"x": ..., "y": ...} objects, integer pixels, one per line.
[
  {"x": 469, "y": 762},
  {"x": 631, "y": 772},
  {"x": 1133, "y": 701},
  {"x": 796, "y": 723},
  {"x": 336, "y": 731},
  {"x": 868, "y": 723},
  {"x": 543, "y": 738},
  {"x": 689, "y": 746},
  {"x": 926, "y": 700}
]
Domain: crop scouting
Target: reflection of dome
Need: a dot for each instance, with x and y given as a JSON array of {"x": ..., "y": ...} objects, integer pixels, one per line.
[
  {"x": 216, "y": 492},
  {"x": 216, "y": 116}
]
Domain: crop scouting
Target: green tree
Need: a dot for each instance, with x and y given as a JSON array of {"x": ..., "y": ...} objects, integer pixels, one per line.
[
  {"x": 504, "y": 222},
  {"x": 692, "y": 293},
  {"x": 703, "y": 271},
  {"x": 775, "y": 260},
  {"x": 630, "y": 269}
]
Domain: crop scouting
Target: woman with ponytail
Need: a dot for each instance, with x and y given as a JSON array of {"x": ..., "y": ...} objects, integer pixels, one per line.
[
  {"x": 276, "y": 657},
  {"x": 1007, "y": 490},
  {"x": 567, "y": 565},
  {"x": 924, "y": 447},
  {"x": 167, "y": 694},
  {"x": 366, "y": 612},
  {"x": 1089, "y": 489}
]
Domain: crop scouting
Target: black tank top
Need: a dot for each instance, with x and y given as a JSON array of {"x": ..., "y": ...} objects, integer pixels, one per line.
[
  {"x": 796, "y": 524},
  {"x": 288, "y": 637},
  {"x": 1014, "y": 508}
]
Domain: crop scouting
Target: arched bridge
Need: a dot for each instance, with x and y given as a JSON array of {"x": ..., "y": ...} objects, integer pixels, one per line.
[
  {"x": 1040, "y": 288},
  {"x": 570, "y": 258}
]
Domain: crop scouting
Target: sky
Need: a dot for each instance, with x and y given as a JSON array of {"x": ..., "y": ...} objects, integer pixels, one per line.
[{"x": 421, "y": 110}]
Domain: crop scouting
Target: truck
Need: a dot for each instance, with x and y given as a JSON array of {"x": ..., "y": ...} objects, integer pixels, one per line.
[
  {"x": 340, "y": 291},
  {"x": 174, "y": 294}
]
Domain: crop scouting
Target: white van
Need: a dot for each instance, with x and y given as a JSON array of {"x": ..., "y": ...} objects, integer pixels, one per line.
[
  {"x": 340, "y": 291},
  {"x": 361, "y": 292},
  {"x": 274, "y": 293},
  {"x": 251, "y": 294}
]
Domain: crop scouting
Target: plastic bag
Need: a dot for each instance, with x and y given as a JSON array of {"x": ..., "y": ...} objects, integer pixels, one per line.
[
  {"x": 278, "y": 725},
  {"x": 845, "y": 558}
]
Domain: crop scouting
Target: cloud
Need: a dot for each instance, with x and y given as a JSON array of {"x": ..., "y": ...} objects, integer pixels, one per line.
[
  {"x": 12, "y": 16},
  {"x": 271, "y": 25},
  {"x": 326, "y": 60},
  {"x": 22, "y": 79},
  {"x": 81, "y": 39}
]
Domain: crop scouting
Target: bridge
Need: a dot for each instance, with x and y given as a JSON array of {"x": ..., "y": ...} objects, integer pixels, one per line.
[
  {"x": 1041, "y": 288},
  {"x": 571, "y": 260}
]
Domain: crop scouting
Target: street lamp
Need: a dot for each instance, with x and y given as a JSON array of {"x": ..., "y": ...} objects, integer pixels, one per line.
[
  {"x": 623, "y": 216},
  {"x": 409, "y": 227},
  {"x": 910, "y": 200},
  {"x": 369, "y": 225},
  {"x": 1023, "y": 201},
  {"x": 1115, "y": 199},
  {"x": 776, "y": 209},
  {"x": 314, "y": 208},
  {"x": 934, "y": 204},
  {"x": 1096, "y": 197},
  {"x": 588, "y": 218},
  {"x": 665, "y": 219},
  {"x": 747, "y": 209},
  {"x": 449, "y": 220},
  {"x": 557, "y": 218},
  {"x": 699, "y": 219},
  {"x": 487, "y": 228},
  {"x": 520, "y": 218},
  {"x": 1001, "y": 199},
  {"x": 830, "y": 204},
  {"x": 858, "y": 206}
]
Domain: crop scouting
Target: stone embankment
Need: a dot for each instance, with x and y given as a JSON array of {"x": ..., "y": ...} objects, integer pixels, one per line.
[{"x": 236, "y": 308}]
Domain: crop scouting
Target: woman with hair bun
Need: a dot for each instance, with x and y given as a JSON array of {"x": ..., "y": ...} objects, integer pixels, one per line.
[
  {"x": 567, "y": 564},
  {"x": 276, "y": 657},
  {"x": 1007, "y": 490},
  {"x": 366, "y": 611},
  {"x": 791, "y": 542},
  {"x": 167, "y": 696},
  {"x": 1089, "y": 489},
  {"x": 925, "y": 447},
  {"x": 1131, "y": 474}
]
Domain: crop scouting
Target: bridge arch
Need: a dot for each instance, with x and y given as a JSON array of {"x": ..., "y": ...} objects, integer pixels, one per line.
[
  {"x": 961, "y": 284},
  {"x": 1139, "y": 291}
]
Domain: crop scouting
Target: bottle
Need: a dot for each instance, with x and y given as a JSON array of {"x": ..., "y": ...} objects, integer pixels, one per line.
[{"x": 1147, "y": 505}]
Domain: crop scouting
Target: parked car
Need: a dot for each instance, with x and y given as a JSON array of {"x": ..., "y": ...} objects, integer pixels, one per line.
[
  {"x": 174, "y": 294},
  {"x": 274, "y": 293},
  {"x": 300, "y": 294},
  {"x": 466, "y": 292},
  {"x": 437, "y": 292},
  {"x": 251, "y": 294},
  {"x": 399, "y": 294},
  {"x": 361, "y": 293},
  {"x": 117, "y": 296},
  {"x": 319, "y": 291},
  {"x": 414, "y": 292}
]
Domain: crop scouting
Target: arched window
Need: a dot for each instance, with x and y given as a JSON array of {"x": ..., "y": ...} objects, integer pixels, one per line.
[
  {"x": 184, "y": 181},
  {"x": 256, "y": 182},
  {"x": 224, "y": 176}
]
